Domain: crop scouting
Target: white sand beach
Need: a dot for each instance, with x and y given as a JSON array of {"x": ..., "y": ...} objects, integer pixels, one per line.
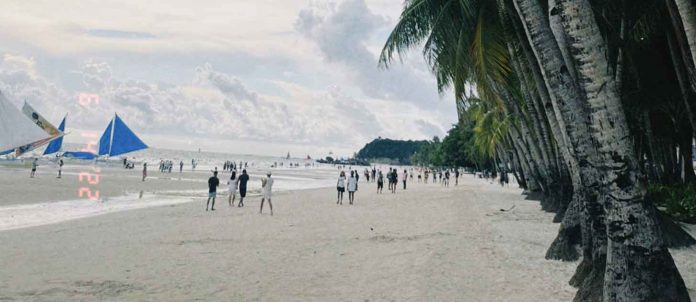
[{"x": 428, "y": 243}]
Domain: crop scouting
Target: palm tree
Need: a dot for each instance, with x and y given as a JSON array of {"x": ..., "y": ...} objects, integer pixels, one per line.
[
  {"x": 547, "y": 106},
  {"x": 687, "y": 11},
  {"x": 638, "y": 258}
]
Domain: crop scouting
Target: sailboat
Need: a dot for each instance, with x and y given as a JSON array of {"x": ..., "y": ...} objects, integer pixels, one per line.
[
  {"x": 44, "y": 124},
  {"x": 18, "y": 133},
  {"x": 119, "y": 139},
  {"x": 57, "y": 144},
  {"x": 288, "y": 157}
]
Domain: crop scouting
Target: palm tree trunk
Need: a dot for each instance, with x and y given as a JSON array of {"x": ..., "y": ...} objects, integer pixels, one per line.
[
  {"x": 655, "y": 163},
  {"x": 557, "y": 29},
  {"x": 531, "y": 158},
  {"x": 679, "y": 72},
  {"x": 687, "y": 11},
  {"x": 639, "y": 267},
  {"x": 567, "y": 101},
  {"x": 530, "y": 176},
  {"x": 521, "y": 179},
  {"x": 681, "y": 14}
]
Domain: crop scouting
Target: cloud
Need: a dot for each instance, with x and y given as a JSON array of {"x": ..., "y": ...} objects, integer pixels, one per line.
[
  {"x": 429, "y": 128},
  {"x": 119, "y": 34},
  {"x": 343, "y": 33},
  {"x": 215, "y": 105},
  {"x": 223, "y": 82},
  {"x": 306, "y": 75},
  {"x": 96, "y": 75}
]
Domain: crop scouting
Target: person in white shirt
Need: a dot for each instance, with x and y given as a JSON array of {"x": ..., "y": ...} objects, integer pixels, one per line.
[
  {"x": 266, "y": 187},
  {"x": 352, "y": 187},
  {"x": 340, "y": 187},
  {"x": 232, "y": 187}
]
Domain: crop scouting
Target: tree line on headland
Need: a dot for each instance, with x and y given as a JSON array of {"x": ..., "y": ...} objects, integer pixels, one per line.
[{"x": 592, "y": 104}]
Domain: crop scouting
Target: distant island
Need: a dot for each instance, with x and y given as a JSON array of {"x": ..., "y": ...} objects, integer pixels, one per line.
[{"x": 390, "y": 151}]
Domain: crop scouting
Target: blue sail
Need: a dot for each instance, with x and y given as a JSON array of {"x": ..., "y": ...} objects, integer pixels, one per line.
[
  {"x": 56, "y": 144},
  {"x": 124, "y": 140},
  {"x": 105, "y": 140}
]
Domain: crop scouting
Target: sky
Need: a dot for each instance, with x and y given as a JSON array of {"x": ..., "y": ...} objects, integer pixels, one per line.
[{"x": 241, "y": 76}]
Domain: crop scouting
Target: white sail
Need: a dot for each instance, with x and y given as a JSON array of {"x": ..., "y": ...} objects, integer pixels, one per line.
[
  {"x": 16, "y": 129},
  {"x": 39, "y": 120}
]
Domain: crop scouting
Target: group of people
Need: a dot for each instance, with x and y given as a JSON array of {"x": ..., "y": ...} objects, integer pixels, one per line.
[
  {"x": 165, "y": 166},
  {"x": 393, "y": 176},
  {"x": 290, "y": 165},
  {"x": 443, "y": 177},
  {"x": 239, "y": 184},
  {"x": 232, "y": 166},
  {"x": 128, "y": 164},
  {"x": 351, "y": 183},
  {"x": 35, "y": 165}
]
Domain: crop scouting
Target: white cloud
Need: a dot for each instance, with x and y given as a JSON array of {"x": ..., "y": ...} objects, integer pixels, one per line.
[
  {"x": 286, "y": 72},
  {"x": 343, "y": 35}
]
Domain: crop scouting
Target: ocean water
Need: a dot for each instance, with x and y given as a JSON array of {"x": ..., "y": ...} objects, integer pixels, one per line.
[{"x": 302, "y": 174}]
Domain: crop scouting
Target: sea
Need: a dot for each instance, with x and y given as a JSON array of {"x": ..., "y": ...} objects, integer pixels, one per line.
[{"x": 291, "y": 173}]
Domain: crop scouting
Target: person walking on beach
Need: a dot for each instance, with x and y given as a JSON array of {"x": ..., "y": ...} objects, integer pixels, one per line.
[
  {"x": 374, "y": 173},
  {"x": 181, "y": 167},
  {"x": 389, "y": 179},
  {"x": 144, "y": 171},
  {"x": 34, "y": 164},
  {"x": 380, "y": 182},
  {"x": 456, "y": 177},
  {"x": 242, "y": 185},
  {"x": 213, "y": 183},
  {"x": 232, "y": 186},
  {"x": 395, "y": 178},
  {"x": 340, "y": 187},
  {"x": 352, "y": 187},
  {"x": 405, "y": 177},
  {"x": 60, "y": 168},
  {"x": 266, "y": 188}
]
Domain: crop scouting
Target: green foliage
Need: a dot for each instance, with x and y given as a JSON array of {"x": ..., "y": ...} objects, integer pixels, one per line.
[
  {"x": 457, "y": 149},
  {"x": 395, "y": 150},
  {"x": 463, "y": 42},
  {"x": 678, "y": 200}
]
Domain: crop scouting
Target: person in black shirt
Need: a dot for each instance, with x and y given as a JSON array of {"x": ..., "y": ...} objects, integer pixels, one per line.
[
  {"x": 213, "y": 183},
  {"x": 242, "y": 185},
  {"x": 60, "y": 168}
]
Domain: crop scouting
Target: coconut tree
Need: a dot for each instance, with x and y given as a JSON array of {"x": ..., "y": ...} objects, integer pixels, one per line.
[
  {"x": 639, "y": 267},
  {"x": 687, "y": 12}
]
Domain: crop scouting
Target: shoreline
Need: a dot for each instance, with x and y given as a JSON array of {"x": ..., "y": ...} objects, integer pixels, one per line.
[{"x": 426, "y": 243}]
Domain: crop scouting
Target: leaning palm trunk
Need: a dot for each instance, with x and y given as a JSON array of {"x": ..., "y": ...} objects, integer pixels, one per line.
[
  {"x": 557, "y": 29},
  {"x": 532, "y": 161},
  {"x": 680, "y": 73},
  {"x": 554, "y": 200},
  {"x": 683, "y": 24},
  {"x": 569, "y": 107},
  {"x": 639, "y": 267},
  {"x": 530, "y": 178},
  {"x": 687, "y": 11}
]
